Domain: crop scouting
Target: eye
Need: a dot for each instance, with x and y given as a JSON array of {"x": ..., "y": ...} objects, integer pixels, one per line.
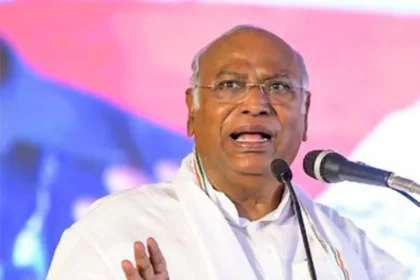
[
  {"x": 280, "y": 86},
  {"x": 230, "y": 84}
]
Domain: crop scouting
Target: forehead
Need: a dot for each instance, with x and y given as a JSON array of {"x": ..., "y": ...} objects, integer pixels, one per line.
[{"x": 250, "y": 52}]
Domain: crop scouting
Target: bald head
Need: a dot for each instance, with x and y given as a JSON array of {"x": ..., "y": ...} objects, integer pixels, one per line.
[{"x": 233, "y": 38}]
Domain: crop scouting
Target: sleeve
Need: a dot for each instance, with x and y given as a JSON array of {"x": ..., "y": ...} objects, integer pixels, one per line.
[
  {"x": 378, "y": 263},
  {"x": 76, "y": 258}
]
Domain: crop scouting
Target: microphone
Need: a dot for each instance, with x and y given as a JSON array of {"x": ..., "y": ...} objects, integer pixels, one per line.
[
  {"x": 283, "y": 174},
  {"x": 281, "y": 170},
  {"x": 330, "y": 167}
]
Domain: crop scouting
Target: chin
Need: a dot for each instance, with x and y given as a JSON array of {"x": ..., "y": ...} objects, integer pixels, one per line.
[{"x": 257, "y": 164}]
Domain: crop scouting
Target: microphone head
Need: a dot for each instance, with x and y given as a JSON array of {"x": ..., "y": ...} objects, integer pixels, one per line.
[
  {"x": 323, "y": 165},
  {"x": 309, "y": 163},
  {"x": 281, "y": 170}
]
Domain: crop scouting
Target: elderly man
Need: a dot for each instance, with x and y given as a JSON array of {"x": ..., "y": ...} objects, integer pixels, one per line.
[{"x": 225, "y": 216}]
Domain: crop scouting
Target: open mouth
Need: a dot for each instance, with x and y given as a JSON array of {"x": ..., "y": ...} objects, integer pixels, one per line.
[{"x": 251, "y": 135}]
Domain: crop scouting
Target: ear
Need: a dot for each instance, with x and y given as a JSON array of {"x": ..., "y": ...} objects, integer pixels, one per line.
[
  {"x": 189, "y": 100},
  {"x": 307, "y": 106}
]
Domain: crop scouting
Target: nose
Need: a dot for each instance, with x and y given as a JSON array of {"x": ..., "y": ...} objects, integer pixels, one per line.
[{"x": 256, "y": 103}]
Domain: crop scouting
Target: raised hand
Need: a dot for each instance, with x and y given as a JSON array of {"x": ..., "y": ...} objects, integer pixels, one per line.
[{"x": 152, "y": 267}]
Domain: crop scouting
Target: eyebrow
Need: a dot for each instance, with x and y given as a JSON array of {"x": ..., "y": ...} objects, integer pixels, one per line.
[
  {"x": 231, "y": 73},
  {"x": 278, "y": 75},
  {"x": 244, "y": 76},
  {"x": 284, "y": 75}
]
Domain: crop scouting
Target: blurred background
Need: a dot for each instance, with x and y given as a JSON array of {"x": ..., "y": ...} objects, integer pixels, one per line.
[{"x": 92, "y": 102}]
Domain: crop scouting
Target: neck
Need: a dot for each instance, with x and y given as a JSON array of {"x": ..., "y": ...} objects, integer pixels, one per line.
[
  {"x": 254, "y": 196},
  {"x": 255, "y": 206}
]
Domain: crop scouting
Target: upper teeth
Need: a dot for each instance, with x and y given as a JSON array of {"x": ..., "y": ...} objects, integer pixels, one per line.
[
  {"x": 251, "y": 140},
  {"x": 251, "y": 137}
]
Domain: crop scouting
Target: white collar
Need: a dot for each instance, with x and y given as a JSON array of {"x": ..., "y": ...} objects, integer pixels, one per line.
[{"x": 281, "y": 214}]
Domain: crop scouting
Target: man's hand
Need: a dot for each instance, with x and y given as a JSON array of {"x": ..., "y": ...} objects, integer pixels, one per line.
[{"x": 147, "y": 268}]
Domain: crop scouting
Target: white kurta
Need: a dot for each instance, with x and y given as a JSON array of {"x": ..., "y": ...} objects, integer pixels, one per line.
[
  {"x": 199, "y": 244},
  {"x": 270, "y": 243}
]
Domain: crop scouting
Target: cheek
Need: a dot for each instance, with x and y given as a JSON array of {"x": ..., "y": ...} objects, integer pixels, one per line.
[
  {"x": 209, "y": 124},
  {"x": 293, "y": 125},
  {"x": 291, "y": 119}
]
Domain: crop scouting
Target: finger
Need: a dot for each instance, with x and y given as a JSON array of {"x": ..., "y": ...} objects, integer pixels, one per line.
[
  {"x": 143, "y": 263},
  {"x": 156, "y": 256},
  {"x": 130, "y": 271}
]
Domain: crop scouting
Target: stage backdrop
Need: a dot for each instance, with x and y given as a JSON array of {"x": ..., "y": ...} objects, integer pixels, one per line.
[{"x": 92, "y": 102}]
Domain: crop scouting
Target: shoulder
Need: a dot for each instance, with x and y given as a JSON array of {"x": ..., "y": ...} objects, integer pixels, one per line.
[
  {"x": 330, "y": 212},
  {"x": 104, "y": 236},
  {"x": 328, "y": 216},
  {"x": 320, "y": 209},
  {"x": 347, "y": 226},
  {"x": 148, "y": 196},
  {"x": 146, "y": 208}
]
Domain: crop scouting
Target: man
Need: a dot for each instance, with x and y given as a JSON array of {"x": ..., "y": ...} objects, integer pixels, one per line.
[{"x": 225, "y": 216}]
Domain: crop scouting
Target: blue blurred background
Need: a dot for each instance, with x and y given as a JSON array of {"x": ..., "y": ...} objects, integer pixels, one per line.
[{"x": 92, "y": 103}]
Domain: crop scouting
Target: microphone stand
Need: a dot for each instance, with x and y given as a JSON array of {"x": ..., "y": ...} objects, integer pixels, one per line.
[
  {"x": 286, "y": 178},
  {"x": 409, "y": 197}
]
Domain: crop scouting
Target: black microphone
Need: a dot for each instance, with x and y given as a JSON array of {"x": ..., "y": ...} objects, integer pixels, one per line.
[
  {"x": 330, "y": 167},
  {"x": 281, "y": 170},
  {"x": 283, "y": 174}
]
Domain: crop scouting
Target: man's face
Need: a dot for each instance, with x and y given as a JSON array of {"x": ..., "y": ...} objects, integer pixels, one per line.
[{"x": 245, "y": 136}]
